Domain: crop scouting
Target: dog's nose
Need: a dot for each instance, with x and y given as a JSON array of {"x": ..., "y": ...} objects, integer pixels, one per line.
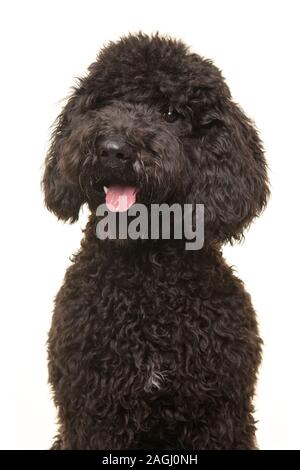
[{"x": 116, "y": 147}]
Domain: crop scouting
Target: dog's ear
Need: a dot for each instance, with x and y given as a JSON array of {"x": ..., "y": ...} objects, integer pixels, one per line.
[
  {"x": 63, "y": 196},
  {"x": 232, "y": 172},
  {"x": 251, "y": 188}
]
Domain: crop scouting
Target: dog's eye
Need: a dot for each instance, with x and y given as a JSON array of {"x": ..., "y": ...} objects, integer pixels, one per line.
[{"x": 170, "y": 114}]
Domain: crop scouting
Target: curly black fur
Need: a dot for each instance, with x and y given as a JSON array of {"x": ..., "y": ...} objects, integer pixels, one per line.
[{"x": 153, "y": 346}]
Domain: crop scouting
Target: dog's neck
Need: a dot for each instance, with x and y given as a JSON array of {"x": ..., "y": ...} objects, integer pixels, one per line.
[{"x": 151, "y": 249}]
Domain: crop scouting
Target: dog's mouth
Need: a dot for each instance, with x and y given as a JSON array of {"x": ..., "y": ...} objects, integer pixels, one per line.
[
  {"x": 118, "y": 195},
  {"x": 119, "y": 198}
]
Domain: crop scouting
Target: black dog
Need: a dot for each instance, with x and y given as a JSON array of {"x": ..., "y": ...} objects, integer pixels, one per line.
[{"x": 151, "y": 345}]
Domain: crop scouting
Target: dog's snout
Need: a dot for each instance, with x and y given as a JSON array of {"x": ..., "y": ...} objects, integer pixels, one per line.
[{"x": 117, "y": 148}]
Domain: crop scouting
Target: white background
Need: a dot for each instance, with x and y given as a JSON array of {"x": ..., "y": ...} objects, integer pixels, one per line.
[{"x": 44, "y": 44}]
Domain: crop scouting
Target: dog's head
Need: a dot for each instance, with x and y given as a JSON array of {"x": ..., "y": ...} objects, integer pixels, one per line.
[{"x": 156, "y": 123}]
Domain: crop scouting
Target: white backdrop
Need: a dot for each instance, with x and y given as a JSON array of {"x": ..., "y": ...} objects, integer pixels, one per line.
[{"x": 44, "y": 44}]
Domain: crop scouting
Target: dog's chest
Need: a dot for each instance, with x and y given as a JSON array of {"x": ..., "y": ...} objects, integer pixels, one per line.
[{"x": 150, "y": 327}]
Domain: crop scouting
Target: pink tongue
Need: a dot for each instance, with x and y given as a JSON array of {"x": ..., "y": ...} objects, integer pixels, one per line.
[{"x": 120, "y": 198}]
